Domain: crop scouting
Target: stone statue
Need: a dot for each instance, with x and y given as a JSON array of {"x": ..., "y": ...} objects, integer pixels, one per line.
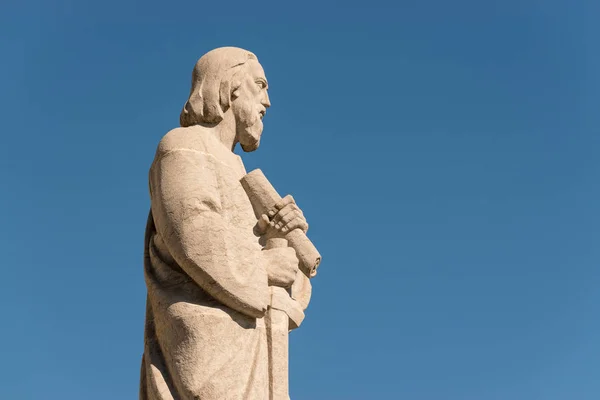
[{"x": 226, "y": 262}]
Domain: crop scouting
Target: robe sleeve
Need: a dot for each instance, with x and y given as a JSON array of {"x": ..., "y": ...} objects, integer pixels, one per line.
[{"x": 188, "y": 215}]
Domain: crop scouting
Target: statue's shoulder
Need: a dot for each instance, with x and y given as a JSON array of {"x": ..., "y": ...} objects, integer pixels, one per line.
[{"x": 189, "y": 138}]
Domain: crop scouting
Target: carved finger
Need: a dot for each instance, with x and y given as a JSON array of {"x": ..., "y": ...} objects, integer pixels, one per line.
[
  {"x": 296, "y": 223},
  {"x": 290, "y": 208},
  {"x": 280, "y": 204},
  {"x": 287, "y": 218}
]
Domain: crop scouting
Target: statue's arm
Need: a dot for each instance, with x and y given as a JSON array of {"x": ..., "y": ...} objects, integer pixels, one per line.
[{"x": 187, "y": 213}]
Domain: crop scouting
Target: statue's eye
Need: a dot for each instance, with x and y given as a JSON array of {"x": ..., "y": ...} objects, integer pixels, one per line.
[{"x": 261, "y": 84}]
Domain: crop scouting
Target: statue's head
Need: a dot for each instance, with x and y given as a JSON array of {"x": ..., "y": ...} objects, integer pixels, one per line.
[{"x": 229, "y": 79}]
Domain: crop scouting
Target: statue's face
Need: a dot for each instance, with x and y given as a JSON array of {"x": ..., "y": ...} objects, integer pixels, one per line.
[{"x": 250, "y": 105}]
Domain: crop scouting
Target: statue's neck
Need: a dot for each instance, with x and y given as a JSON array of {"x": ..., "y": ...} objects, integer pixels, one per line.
[{"x": 226, "y": 131}]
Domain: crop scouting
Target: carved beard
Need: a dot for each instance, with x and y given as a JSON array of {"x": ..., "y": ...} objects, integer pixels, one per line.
[{"x": 249, "y": 134}]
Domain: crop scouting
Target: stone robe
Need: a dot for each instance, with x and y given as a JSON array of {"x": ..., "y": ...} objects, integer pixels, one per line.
[{"x": 205, "y": 336}]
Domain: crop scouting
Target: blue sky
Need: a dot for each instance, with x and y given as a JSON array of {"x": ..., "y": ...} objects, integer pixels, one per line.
[{"x": 445, "y": 155}]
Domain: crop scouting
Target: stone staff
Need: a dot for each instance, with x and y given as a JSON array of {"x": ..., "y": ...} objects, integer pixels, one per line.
[{"x": 284, "y": 312}]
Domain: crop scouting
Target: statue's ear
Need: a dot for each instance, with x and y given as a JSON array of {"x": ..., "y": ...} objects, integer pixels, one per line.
[{"x": 236, "y": 84}]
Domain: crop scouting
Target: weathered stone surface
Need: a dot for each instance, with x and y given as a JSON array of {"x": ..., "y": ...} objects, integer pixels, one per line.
[{"x": 224, "y": 288}]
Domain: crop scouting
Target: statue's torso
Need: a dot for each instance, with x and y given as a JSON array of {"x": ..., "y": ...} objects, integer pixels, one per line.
[{"x": 221, "y": 352}]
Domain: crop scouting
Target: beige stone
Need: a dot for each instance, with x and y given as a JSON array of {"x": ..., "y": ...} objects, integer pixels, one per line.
[{"x": 227, "y": 261}]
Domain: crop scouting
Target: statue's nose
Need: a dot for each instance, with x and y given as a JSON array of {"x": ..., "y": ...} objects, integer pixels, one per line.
[{"x": 265, "y": 101}]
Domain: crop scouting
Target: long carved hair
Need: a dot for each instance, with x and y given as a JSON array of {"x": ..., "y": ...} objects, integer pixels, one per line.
[{"x": 213, "y": 82}]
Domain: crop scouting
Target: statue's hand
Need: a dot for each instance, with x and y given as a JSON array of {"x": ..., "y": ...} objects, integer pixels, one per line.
[
  {"x": 282, "y": 266},
  {"x": 285, "y": 216}
]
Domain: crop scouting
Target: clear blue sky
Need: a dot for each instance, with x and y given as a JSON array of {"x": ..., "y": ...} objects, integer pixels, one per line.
[{"x": 445, "y": 153}]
